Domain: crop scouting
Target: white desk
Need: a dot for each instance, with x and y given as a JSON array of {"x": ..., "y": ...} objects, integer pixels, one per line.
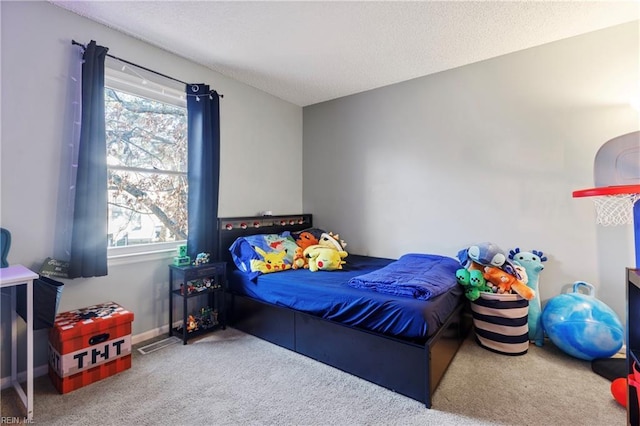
[{"x": 13, "y": 276}]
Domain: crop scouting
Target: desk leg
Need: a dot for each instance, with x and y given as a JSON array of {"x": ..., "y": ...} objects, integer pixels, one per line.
[
  {"x": 27, "y": 399},
  {"x": 29, "y": 350}
]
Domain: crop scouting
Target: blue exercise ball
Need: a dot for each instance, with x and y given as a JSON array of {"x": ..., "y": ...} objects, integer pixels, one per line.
[{"x": 581, "y": 325}]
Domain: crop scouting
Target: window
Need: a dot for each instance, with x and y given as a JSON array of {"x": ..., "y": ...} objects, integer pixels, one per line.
[{"x": 146, "y": 132}]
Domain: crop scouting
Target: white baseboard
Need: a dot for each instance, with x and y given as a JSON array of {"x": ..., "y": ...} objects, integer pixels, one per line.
[
  {"x": 149, "y": 334},
  {"x": 42, "y": 370},
  {"x": 623, "y": 350}
]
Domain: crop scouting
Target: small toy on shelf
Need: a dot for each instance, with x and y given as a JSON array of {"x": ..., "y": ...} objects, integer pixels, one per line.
[
  {"x": 189, "y": 287},
  {"x": 201, "y": 259},
  {"x": 192, "y": 324},
  {"x": 208, "y": 317},
  {"x": 181, "y": 261}
]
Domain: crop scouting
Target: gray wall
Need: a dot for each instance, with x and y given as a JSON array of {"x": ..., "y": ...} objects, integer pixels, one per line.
[
  {"x": 486, "y": 152},
  {"x": 257, "y": 131}
]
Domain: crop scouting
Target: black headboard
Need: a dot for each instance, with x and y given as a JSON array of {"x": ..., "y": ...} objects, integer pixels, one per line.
[{"x": 230, "y": 228}]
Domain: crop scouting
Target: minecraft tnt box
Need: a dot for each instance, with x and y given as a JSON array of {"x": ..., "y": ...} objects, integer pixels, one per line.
[{"x": 89, "y": 344}]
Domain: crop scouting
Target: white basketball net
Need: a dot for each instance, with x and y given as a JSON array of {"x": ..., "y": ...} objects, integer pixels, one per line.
[{"x": 612, "y": 210}]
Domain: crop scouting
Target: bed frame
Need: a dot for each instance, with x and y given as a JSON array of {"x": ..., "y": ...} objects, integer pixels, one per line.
[{"x": 410, "y": 368}]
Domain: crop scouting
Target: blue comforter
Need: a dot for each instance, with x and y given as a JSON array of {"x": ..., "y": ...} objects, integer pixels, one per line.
[
  {"x": 421, "y": 276},
  {"x": 327, "y": 295}
]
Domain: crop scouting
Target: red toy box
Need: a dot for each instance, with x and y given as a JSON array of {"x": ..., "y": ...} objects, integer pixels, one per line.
[{"x": 89, "y": 344}]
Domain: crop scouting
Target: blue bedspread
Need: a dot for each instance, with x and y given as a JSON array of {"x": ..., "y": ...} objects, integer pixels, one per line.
[
  {"x": 326, "y": 294},
  {"x": 421, "y": 276}
]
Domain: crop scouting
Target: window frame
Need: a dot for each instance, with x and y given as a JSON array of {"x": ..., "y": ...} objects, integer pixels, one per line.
[{"x": 125, "y": 79}]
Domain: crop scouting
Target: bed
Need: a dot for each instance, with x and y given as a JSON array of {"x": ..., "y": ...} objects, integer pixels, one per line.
[{"x": 401, "y": 343}]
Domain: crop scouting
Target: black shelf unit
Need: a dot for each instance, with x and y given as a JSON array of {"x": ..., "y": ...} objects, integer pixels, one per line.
[
  {"x": 633, "y": 342},
  {"x": 203, "y": 281}
]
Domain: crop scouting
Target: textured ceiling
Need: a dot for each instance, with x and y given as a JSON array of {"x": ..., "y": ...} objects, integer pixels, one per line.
[{"x": 307, "y": 52}]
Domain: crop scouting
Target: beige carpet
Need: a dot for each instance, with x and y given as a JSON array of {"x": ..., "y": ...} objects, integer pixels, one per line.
[{"x": 230, "y": 378}]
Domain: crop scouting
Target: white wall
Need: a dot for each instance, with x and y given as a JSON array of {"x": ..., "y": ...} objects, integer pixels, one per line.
[
  {"x": 486, "y": 152},
  {"x": 258, "y": 131}
]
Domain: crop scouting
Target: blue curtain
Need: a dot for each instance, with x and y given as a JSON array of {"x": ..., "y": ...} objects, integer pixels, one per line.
[
  {"x": 203, "y": 175},
  {"x": 88, "y": 257}
]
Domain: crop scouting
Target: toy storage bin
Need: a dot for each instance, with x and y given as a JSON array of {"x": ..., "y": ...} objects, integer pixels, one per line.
[
  {"x": 500, "y": 323},
  {"x": 89, "y": 344}
]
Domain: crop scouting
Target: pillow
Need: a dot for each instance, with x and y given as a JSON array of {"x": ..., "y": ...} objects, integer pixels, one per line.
[{"x": 263, "y": 253}]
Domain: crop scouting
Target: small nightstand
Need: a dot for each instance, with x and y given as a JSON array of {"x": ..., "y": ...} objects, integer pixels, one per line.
[{"x": 205, "y": 283}]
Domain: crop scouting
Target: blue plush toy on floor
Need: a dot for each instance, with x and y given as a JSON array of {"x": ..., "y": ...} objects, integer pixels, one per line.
[
  {"x": 581, "y": 325},
  {"x": 532, "y": 264}
]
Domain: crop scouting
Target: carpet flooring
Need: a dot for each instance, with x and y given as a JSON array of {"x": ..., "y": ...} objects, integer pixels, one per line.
[{"x": 231, "y": 378}]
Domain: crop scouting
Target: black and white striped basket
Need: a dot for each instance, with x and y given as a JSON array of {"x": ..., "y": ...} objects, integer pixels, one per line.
[{"x": 500, "y": 323}]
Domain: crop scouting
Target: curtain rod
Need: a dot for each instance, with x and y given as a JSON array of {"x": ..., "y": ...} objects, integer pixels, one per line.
[{"x": 73, "y": 42}]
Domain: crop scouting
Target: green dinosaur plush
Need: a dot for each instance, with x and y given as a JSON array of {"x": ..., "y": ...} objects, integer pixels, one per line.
[
  {"x": 462, "y": 275},
  {"x": 476, "y": 279},
  {"x": 473, "y": 283}
]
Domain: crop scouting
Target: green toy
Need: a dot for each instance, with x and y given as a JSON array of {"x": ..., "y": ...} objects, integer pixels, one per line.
[
  {"x": 462, "y": 275},
  {"x": 473, "y": 283}
]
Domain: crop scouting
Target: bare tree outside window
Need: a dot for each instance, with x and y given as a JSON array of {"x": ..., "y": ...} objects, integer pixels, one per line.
[{"x": 147, "y": 165}]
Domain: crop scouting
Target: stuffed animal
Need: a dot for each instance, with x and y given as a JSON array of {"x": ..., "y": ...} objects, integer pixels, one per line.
[
  {"x": 487, "y": 254},
  {"x": 476, "y": 280},
  {"x": 532, "y": 263},
  {"x": 462, "y": 275},
  {"x": 299, "y": 261},
  {"x": 303, "y": 240},
  {"x": 522, "y": 273},
  {"x": 306, "y": 239},
  {"x": 192, "y": 324},
  {"x": 473, "y": 283},
  {"x": 505, "y": 282},
  {"x": 332, "y": 240},
  {"x": 473, "y": 266},
  {"x": 323, "y": 258}
]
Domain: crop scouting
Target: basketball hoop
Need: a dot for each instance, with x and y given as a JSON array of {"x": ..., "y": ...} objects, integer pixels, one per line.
[{"x": 614, "y": 204}]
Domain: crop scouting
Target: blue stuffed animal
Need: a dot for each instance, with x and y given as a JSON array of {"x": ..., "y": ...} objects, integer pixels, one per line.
[
  {"x": 488, "y": 254},
  {"x": 532, "y": 264}
]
